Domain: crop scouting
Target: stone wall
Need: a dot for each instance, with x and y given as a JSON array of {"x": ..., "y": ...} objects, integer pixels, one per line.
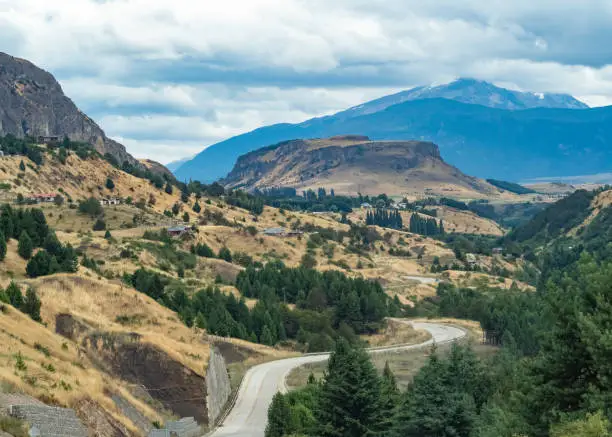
[
  {"x": 51, "y": 421},
  {"x": 218, "y": 385}
]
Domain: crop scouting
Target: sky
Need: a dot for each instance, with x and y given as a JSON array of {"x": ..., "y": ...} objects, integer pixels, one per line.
[{"x": 168, "y": 78}]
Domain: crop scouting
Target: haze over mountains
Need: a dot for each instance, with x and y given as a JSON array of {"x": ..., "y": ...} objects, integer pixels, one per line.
[{"x": 484, "y": 130}]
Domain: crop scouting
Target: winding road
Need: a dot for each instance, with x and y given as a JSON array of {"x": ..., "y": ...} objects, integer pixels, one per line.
[{"x": 249, "y": 416}]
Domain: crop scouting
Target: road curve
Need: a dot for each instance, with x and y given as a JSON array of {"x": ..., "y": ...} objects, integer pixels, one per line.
[{"x": 249, "y": 416}]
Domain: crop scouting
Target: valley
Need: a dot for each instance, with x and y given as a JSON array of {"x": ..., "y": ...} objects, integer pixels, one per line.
[{"x": 344, "y": 278}]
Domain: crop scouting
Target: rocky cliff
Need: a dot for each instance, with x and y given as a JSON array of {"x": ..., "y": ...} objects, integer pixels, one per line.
[
  {"x": 352, "y": 164},
  {"x": 32, "y": 103}
]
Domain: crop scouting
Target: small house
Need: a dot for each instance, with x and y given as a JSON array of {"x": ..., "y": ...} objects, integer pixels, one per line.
[
  {"x": 497, "y": 250},
  {"x": 366, "y": 205},
  {"x": 110, "y": 201},
  {"x": 177, "y": 231},
  {"x": 41, "y": 198}
]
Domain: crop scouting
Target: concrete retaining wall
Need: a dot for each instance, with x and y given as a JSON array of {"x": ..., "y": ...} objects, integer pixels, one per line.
[{"x": 217, "y": 384}]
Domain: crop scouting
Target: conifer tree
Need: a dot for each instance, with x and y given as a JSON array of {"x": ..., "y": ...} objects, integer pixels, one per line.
[
  {"x": 2, "y": 246},
  {"x": 350, "y": 395},
  {"x": 14, "y": 294},
  {"x": 25, "y": 246},
  {"x": 31, "y": 305},
  {"x": 279, "y": 417}
]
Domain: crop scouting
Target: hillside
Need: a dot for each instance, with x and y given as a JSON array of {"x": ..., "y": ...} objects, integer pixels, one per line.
[
  {"x": 33, "y": 104},
  {"x": 487, "y": 142},
  {"x": 353, "y": 164}
]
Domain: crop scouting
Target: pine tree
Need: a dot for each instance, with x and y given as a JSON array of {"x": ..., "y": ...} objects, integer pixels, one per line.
[
  {"x": 279, "y": 417},
  {"x": 168, "y": 188},
  {"x": 2, "y": 246},
  {"x": 14, "y": 295},
  {"x": 389, "y": 397},
  {"x": 196, "y": 207},
  {"x": 31, "y": 305},
  {"x": 266, "y": 336},
  {"x": 350, "y": 395},
  {"x": 25, "y": 246},
  {"x": 110, "y": 184},
  {"x": 22, "y": 166},
  {"x": 200, "y": 321}
]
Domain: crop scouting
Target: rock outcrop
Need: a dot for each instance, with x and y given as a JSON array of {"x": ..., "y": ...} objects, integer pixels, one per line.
[{"x": 32, "y": 103}]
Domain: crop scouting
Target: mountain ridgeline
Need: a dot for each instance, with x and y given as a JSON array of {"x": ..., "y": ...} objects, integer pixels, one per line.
[{"x": 484, "y": 130}]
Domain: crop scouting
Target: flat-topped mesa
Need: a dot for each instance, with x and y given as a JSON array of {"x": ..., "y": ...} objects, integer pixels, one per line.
[{"x": 353, "y": 164}]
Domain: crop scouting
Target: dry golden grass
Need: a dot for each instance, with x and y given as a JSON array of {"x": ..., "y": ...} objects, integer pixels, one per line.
[
  {"x": 54, "y": 370},
  {"x": 395, "y": 333}
]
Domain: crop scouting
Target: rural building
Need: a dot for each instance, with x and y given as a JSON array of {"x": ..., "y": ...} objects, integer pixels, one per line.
[
  {"x": 177, "y": 231},
  {"x": 282, "y": 232},
  {"x": 41, "y": 198},
  {"x": 497, "y": 250},
  {"x": 275, "y": 232},
  {"x": 366, "y": 205},
  {"x": 111, "y": 201},
  {"x": 51, "y": 139}
]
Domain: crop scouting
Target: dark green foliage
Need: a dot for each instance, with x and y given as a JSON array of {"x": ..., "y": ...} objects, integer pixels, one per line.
[
  {"x": 384, "y": 218},
  {"x": 558, "y": 218},
  {"x": 168, "y": 189},
  {"x": 444, "y": 398},
  {"x": 110, "y": 184},
  {"x": 186, "y": 217},
  {"x": 99, "y": 225},
  {"x": 91, "y": 207},
  {"x": 350, "y": 395},
  {"x": 279, "y": 417},
  {"x": 15, "y": 296},
  {"x": 244, "y": 200},
  {"x": 360, "y": 304},
  {"x": 196, "y": 207},
  {"x": 25, "y": 246},
  {"x": 203, "y": 250},
  {"x": 2, "y": 246},
  {"x": 107, "y": 235},
  {"x": 225, "y": 254},
  {"x": 31, "y": 305},
  {"x": 22, "y": 166},
  {"x": 176, "y": 208},
  {"x": 425, "y": 226},
  {"x": 510, "y": 186}
]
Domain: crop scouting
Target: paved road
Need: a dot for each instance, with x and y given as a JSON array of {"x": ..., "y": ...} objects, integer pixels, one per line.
[
  {"x": 422, "y": 279},
  {"x": 249, "y": 416}
]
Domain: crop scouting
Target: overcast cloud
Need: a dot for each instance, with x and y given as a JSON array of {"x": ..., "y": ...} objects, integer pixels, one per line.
[{"x": 170, "y": 77}]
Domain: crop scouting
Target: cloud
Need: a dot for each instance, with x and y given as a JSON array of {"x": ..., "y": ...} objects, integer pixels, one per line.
[{"x": 176, "y": 75}]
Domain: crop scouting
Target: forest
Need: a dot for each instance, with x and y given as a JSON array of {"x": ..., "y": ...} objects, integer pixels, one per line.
[{"x": 550, "y": 378}]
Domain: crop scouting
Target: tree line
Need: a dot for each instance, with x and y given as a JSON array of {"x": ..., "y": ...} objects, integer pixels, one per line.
[
  {"x": 425, "y": 226},
  {"x": 384, "y": 218}
]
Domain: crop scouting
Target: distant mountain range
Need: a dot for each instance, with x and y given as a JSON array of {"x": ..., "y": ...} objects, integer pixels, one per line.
[{"x": 484, "y": 130}]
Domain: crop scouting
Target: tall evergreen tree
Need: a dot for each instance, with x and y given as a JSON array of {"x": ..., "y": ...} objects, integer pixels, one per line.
[
  {"x": 25, "y": 246},
  {"x": 15, "y": 296},
  {"x": 279, "y": 417},
  {"x": 350, "y": 395},
  {"x": 2, "y": 245}
]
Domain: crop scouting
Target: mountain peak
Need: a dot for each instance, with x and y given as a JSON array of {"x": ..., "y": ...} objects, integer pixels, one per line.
[{"x": 471, "y": 91}]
